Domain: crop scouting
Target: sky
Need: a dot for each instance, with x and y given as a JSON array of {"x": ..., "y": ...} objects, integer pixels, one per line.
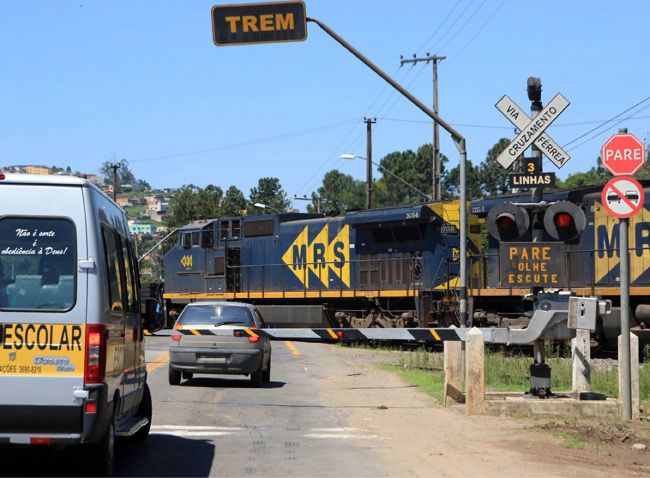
[{"x": 86, "y": 82}]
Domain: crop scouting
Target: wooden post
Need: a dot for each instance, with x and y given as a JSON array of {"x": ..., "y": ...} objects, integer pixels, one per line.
[{"x": 474, "y": 372}]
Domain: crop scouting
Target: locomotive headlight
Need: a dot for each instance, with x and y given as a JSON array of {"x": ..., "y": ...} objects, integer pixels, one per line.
[{"x": 564, "y": 221}]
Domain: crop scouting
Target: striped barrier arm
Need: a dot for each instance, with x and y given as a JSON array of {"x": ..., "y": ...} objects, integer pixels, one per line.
[{"x": 330, "y": 335}]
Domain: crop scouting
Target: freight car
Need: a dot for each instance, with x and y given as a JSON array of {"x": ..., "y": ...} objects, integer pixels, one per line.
[{"x": 391, "y": 267}]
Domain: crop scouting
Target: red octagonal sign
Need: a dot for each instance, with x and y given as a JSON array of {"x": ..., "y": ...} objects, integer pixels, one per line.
[{"x": 623, "y": 154}]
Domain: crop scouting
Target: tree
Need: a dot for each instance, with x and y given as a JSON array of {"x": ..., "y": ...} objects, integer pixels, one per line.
[
  {"x": 339, "y": 192},
  {"x": 492, "y": 176},
  {"x": 234, "y": 202},
  {"x": 415, "y": 168},
  {"x": 596, "y": 176},
  {"x": 124, "y": 174},
  {"x": 270, "y": 193},
  {"x": 191, "y": 203},
  {"x": 451, "y": 182}
]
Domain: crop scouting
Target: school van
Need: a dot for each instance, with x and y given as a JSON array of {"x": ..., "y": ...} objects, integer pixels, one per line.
[{"x": 72, "y": 368}]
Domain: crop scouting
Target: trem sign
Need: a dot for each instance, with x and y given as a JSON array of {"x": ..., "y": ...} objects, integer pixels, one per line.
[
  {"x": 259, "y": 23},
  {"x": 623, "y": 154}
]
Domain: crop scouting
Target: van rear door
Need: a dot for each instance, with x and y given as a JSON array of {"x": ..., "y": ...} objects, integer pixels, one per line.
[{"x": 43, "y": 301}]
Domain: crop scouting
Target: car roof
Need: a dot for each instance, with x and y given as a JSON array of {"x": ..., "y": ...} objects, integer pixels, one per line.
[{"x": 219, "y": 302}]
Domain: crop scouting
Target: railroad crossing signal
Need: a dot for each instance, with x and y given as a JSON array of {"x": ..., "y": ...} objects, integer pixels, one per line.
[
  {"x": 623, "y": 197},
  {"x": 259, "y": 23},
  {"x": 532, "y": 131},
  {"x": 623, "y": 154}
]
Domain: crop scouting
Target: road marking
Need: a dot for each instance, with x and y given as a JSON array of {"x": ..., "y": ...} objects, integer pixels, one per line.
[
  {"x": 195, "y": 431},
  {"x": 185, "y": 433},
  {"x": 343, "y": 433},
  {"x": 159, "y": 362},
  {"x": 193, "y": 427},
  {"x": 340, "y": 436},
  {"x": 291, "y": 347}
]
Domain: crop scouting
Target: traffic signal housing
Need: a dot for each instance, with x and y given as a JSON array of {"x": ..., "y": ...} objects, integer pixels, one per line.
[
  {"x": 507, "y": 222},
  {"x": 564, "y": 221}
]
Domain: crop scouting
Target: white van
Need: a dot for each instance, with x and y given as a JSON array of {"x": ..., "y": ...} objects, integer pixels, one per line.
[{"x": 72, "y": 368}]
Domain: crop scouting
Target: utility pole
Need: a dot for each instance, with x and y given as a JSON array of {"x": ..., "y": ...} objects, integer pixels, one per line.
[
  {"x": 115, "y": 167},
  {"x": 437, "y": 166},
  {"x": 369, "y": 122},
  {"x": 314, "y": 197}
]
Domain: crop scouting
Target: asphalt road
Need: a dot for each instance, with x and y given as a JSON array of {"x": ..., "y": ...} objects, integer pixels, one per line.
[{"x": 221, "y": 426}]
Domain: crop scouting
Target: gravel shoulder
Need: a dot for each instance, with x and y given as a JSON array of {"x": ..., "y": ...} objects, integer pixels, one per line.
[{"x": 422, "y": 439}]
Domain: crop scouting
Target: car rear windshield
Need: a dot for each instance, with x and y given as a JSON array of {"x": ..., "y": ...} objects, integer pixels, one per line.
[
  {"x": 216, "y": 315},
  {"x": 37, "y": 264}
]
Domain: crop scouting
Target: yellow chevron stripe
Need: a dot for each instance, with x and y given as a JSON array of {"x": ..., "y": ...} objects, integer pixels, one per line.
[
  {"x": 332, "y": 334},
  {"x": 435, "y": 334},
  {"x": 251, "y": 333},
  {"x": 195, "y": 332}
]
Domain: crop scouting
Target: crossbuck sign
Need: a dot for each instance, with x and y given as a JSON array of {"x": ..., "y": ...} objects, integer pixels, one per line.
[{"x": 532, "y": 131}]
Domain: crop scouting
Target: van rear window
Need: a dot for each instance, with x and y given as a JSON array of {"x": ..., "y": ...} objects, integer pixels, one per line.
[{"x": 38, "y": 259}]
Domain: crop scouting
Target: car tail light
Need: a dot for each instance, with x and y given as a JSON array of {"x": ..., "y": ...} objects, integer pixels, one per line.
[
  {"x": 178, "y": 327},
  {"x": 176, "y": 337},
  {"x": 95, "y": 353},
  {"x": 40, "y": 441},
  {"x": 253, "y": 340},
  {"x": 91, "y": 407},
  {"x": 2, "y": 176}
]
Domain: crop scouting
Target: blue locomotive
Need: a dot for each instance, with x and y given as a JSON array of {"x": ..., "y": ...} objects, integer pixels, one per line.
[{"x": 391, "y": 267}]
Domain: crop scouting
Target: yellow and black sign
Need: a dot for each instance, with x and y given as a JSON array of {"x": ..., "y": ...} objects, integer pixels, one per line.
[
  {"x": 606, "y": 257},
  {"x": 259, "y": 23},
  {"x": 42, "y": 349},
  {"x": 320, "y": 256},
  {"x": 186, "y": 262},
  {"x": 539, "y": 264}
]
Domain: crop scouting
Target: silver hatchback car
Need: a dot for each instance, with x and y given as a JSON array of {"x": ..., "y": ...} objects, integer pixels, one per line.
[{"x": 195, "y": 349}]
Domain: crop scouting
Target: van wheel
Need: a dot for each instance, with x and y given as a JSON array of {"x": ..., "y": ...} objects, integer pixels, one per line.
[
  {"x": 174, "y": 376},
  {"x": 100, "y": 456},
  {"x": 257, "y": 378},
  {"x": 144, "y": 411},
  {"x": 267, "y": 373}
]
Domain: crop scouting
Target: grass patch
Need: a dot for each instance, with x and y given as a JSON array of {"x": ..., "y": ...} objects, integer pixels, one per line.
[
  {"x": 431, "y": 383},
  {"x": 510, "y": 373},
  {"x": 571, "y": 440}
]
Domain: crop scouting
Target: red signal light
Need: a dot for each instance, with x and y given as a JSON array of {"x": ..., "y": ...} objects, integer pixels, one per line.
[
  {"x": 563, "y": 220},
  {"x": 505, "y": 222}
]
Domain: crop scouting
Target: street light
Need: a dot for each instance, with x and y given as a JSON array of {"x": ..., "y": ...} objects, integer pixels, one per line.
[
  {"x": 265, "y": 206},
  {"x": 354, "y": 156}
]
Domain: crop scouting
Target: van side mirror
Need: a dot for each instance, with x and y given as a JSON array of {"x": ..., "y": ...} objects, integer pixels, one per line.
[{"x": 153, "y": 315}]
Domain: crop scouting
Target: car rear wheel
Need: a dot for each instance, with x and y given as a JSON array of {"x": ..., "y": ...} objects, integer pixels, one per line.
[
  {"x": 267, "y": 373},
  {"x": 174, "y": 376},
  {"x": 257, "y": 378}
]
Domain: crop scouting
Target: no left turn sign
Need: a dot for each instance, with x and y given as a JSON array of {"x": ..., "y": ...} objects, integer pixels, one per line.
[{"x": 623, "y": 197}]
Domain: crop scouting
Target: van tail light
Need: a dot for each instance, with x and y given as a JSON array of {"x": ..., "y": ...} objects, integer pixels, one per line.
[
  {"x": 253, "y": 340},
  {"x": 176, "y": 337},
  {"x": 91, "y": 407},
  {"x": 95, "y": 353},
  {"x": 40, "y": 441}
]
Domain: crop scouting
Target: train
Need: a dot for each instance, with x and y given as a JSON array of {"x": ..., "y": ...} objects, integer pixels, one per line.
[{"x": 399, "y": 266}]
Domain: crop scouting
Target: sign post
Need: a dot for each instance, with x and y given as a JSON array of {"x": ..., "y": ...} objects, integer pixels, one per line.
[{"x": 623, "y": 197}]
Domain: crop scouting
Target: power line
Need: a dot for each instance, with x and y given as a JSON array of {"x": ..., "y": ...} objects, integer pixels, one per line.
[
  {"x": 455, "y": 57},
  {"x": 486, "y": 126},
  {"x": 463, "y": 26},
  {"x": 439, "y": 27},
  {"x": 605, "y": 122}
]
